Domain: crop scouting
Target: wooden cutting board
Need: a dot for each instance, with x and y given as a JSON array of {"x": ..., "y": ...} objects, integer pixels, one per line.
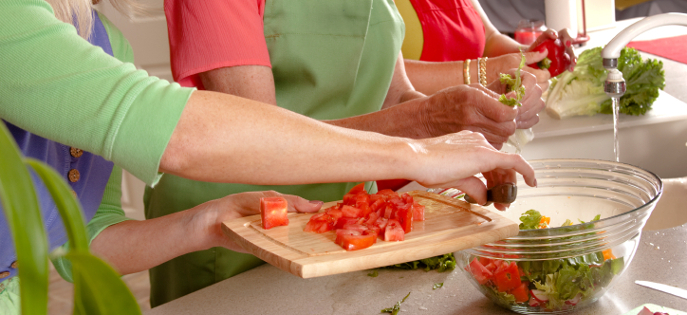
[{"x": 450, "y": 225}]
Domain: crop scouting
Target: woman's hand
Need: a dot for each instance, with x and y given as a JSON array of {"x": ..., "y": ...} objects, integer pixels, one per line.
[
  {"x": 458, "y": 157},
  {"x": 566, "y": 39},
  {"x": 504, "y": 63},
  {"x": 532, "y": 102},
  {"x": 207, "y": 222}
]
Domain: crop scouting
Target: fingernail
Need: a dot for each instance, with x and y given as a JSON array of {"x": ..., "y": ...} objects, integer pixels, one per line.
[
  {"x": 317, "y": 202},
  {"x": 568, "y": 43}
]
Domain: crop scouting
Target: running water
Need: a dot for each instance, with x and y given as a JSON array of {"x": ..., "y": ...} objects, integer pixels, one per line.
[{"x": 615, "y": 105}]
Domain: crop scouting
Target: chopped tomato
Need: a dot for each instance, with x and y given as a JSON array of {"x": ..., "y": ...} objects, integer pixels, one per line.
[
  {"x": 388, "y": 193},
  {"x": 321, "y": 224},
  {"x": 334, "y": 212},
  {"x": 355, "y": 227},
  {"x": 418, "y": 212},
  {"x": 521, "y": 293},
  {"x": 491, "y": 267},
  {"x": 484, "y": 260},
  {"x": 479, "y": 272},
  {"x": 357, "y": 188},
  {"x": 344, "y": 221},
  {"x": 354, "y": 240},
  {"x": 350, "y": 212},
  {"x": 372, "y": 218},
  {"x": 273, "y": 212},
  {"x": 388, "y": 211},
  {"x": 507, "y": 277},
  {"x": 381, "y": 223},
  {"x": 404, "y": 215},
  {"x": 393, "y": 231},
  {"x": 377, "y": 204}
]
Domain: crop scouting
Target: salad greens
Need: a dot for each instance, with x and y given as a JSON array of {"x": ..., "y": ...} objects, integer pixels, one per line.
[
  {"x": 551, "y": 285},
  {"x": 438, "y": 285},
  {"x": 439, "y": 263},
  {"x": 397, "y": 307},
  {"x": 581, "y": 92},
  {"x": 514, "y": 84}
]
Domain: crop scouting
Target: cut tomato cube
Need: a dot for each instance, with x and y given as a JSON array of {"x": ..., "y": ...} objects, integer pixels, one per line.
[
  {"x": 355, "y": 227},
  {"x": 393, "y": 232},
  {"x": 377, "y": 204},
  {"x": 418, "y": 212},
  {"x": 484, "y": 260},
  {"x": 354, "y": 240},
  {"x": 371, "y": 218},
  {"x": 334, "y": 212},
  {"x": 344, "y": 221},
  {"x": 388, "y": 211},
  {"x": 320, "y": 223},
  {"x": 521, "y": 293},
  {"x": 491, "y": 267},
  {"x": 404, "y": 215},
  {"x": 350, "y": 212},
  {"x": 507, "y": 277},
  {"x": 357, "y": 188},
  {"x": 479, "y": 272},
  {"x": 273, "y": 212}
]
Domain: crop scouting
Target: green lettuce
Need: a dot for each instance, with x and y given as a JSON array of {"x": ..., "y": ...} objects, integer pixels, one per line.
[
  {"x": 581, "y": 92},
  {"x": 439, "y": 263},
  {"x": 513, "y": 84},
  {"x": 530, "y": 220}
]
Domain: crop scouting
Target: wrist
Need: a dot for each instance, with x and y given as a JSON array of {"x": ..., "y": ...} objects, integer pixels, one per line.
[{"x": 201, "y": 225}]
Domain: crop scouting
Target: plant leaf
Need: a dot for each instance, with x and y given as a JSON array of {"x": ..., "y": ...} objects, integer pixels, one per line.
[
  {"x": 23, "y": 216},
  {"x": 98, "y": 289}
]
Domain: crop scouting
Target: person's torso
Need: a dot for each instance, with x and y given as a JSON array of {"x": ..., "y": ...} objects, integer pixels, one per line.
[
  {"x": 441, "y": 30},
  {"x": 86, "y": 173}
]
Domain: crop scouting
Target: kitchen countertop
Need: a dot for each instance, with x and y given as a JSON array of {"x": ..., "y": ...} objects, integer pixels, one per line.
[
  {"x": 268, "y": 290},
  {"x": 661, "y": 257}
]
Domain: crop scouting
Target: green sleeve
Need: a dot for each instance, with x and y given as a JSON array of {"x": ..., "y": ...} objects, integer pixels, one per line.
[
  {"x": 57, "y": 85},
  {"x": 109, "y": 213}
]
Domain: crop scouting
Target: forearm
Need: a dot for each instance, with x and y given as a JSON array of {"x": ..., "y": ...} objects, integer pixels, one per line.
[
  {"x": 431, "y": 77},
  {"x": 254, "y": 143},
  {"x": 133, "y": 246},
  {"x": 498, "y": 44}
]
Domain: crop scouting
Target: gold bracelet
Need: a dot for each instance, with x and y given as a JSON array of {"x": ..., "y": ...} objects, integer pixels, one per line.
[
  {"x": 466, "y": 71},
  {"x": 483, "y": 71}
]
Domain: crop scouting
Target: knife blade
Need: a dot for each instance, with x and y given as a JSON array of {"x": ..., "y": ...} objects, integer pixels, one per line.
[{"x": 664, "y": 288}]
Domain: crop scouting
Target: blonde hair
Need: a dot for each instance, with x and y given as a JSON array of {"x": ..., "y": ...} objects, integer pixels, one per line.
[{"x": 80, "y": 12}]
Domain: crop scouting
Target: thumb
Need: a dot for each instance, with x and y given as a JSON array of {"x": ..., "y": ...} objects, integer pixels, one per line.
[
  {"x": 473, "y": 187},
  {"x": 299, "y": 204},
  {"x": 535, "y": 56}
]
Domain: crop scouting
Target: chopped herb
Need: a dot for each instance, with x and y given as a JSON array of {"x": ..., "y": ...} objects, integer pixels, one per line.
[
  {"x": 394, "y": 310},
  {"x": 438, "y": 285},
  {"x": 439, "y": 263},
  {"x": 373, "y": 273}
]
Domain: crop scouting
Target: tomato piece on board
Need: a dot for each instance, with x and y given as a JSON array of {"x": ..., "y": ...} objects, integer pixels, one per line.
[
  {"x": 334, "y": 212},
  {"x": 418, "y": 212},
  {"x": 273, "y": 212},
  {"x": 354, "y": 240},
  {"x": 357, "y": 188},
  {"x": 372, "y": 218},
  {"x": 377, "y": 204},
  {"x": 388, "y": 193},
  {"x": 355, "y": 227},
  {"x": 521, "y": 293},
  {"x": 507, "y": 277},
  {"x": 404, "y": 215},
  {"x": 350, "y": 212},
  {"x": 479, "y": 272},
  {"x": 344, "y": 221},
  {"x": 407, "y": 198},
  {"x": 393, "y": 232}
]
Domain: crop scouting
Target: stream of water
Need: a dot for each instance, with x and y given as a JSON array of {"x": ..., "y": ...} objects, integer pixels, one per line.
[{"x": 615, "y": 128}]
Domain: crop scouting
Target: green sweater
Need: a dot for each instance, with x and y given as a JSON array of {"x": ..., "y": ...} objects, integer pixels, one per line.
[{"x": 55, "y": 84}]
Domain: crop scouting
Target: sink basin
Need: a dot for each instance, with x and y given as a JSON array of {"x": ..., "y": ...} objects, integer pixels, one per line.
[{"x": 671, "y": 209}]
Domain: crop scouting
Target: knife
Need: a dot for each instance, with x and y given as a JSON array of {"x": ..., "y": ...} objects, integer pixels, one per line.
[
  {"x": 664, "y": 288},
  {"x": 503, "y": 193}
]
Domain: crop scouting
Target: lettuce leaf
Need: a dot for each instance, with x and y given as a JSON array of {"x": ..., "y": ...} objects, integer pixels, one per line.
[{"x": 530, "y": 220}]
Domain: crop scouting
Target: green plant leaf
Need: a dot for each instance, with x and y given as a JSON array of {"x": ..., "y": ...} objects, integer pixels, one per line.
[
  {"x": 98, "y": 289},
  {"x": 69, "y": 208},
  {"x": 23, "y": 215}
]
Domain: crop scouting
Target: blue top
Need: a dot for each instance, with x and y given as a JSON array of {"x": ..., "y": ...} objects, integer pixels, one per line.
[{"x": 89, "y": 185}]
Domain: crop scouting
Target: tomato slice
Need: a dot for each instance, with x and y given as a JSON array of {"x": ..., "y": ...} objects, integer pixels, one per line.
[
  {"x": 393, "y": 232},
  {"x": 350, "y": 212},
  {"x": 377, "y": 204},
  {"x": 345, "y": 221},
  {"x": 521, "y": 293},
  {"x": 507, "y": 277},
  {"x": 404, "y": 215},
  {"x": 334, "y": 212},
  {"x": 354, "y": 240},
  {"x": 357, "y": 188},
  {"x": 355, "y": 227},
  {"x": 479, "y": 272},
  {"x": 273, "y": 212},
  {"x": 320, "y": 223}
]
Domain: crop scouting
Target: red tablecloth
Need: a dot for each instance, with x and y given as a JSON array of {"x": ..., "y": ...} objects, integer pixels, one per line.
[{"x": 673, "y": 48}]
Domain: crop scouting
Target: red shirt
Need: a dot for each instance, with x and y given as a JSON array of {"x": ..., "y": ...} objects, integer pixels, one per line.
[{"x": 211, "y": 34}]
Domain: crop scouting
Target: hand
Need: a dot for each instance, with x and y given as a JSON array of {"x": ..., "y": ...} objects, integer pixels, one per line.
[
  {"x": 453, "y": 160},
  {"x": 567, "y": 41},
  {"x": 532, "y": 104},
  {"x": 503, "y": 63},
  {"x": 209, "y": 216},
  {"x": 469, "y": 107}
]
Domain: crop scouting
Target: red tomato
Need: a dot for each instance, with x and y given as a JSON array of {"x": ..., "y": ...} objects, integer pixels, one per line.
[
  {"x": 382, "y": 223},
  {"x": 393, "y": 232},
  {"x": 521, "y": 293},
  {"x": 355, "y": 227},
  {"x": 350, "y": 212},
  {"x": 273, "y": 212},
  {"x": 479, "y": 272},
  {"x": 319, "y": 225},
  {"x": 354, "y": 240},
  {"x": 364, "y": 209},
  {"x": 388, "y": 211},
  {"x": 377, "y": 204},
  {"x": 558, "y": 60},
  {"x": 371, "y": 218},
  {"x": 491, "y": 267},
  {"x": 357, "y": 188},
  {"x": 334, "y": 212},
  {"x": 418, "y": 212},
  {"x": 404, "y": 215},
  {"x": 344, "y": 221},
  {"x": 484, "y": 260},
  {"x": 387, "y": 192},
  {"x": 407, "y": 198},
  {"x": 377, "y": 196},
  {"x": 507, "y": 277}
]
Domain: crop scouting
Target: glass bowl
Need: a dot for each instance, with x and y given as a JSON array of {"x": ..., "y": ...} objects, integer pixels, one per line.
[{"x": 563, "y": 268}]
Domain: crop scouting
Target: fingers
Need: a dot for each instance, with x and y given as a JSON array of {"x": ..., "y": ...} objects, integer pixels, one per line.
[
  {"x": 474, "y": 188},
  {"x": 300, "y": 204},
  {"x": 542, "y": 75},
  {"x": 548, "y": 34},
  {"x": 535, "y": 56}
]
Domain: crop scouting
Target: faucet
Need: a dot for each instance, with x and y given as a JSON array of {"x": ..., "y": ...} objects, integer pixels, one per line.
[{"x": 614, "y": 86}]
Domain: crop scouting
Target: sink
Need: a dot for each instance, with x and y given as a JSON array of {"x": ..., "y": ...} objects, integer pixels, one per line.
[{"x": 671, "y": 209}]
